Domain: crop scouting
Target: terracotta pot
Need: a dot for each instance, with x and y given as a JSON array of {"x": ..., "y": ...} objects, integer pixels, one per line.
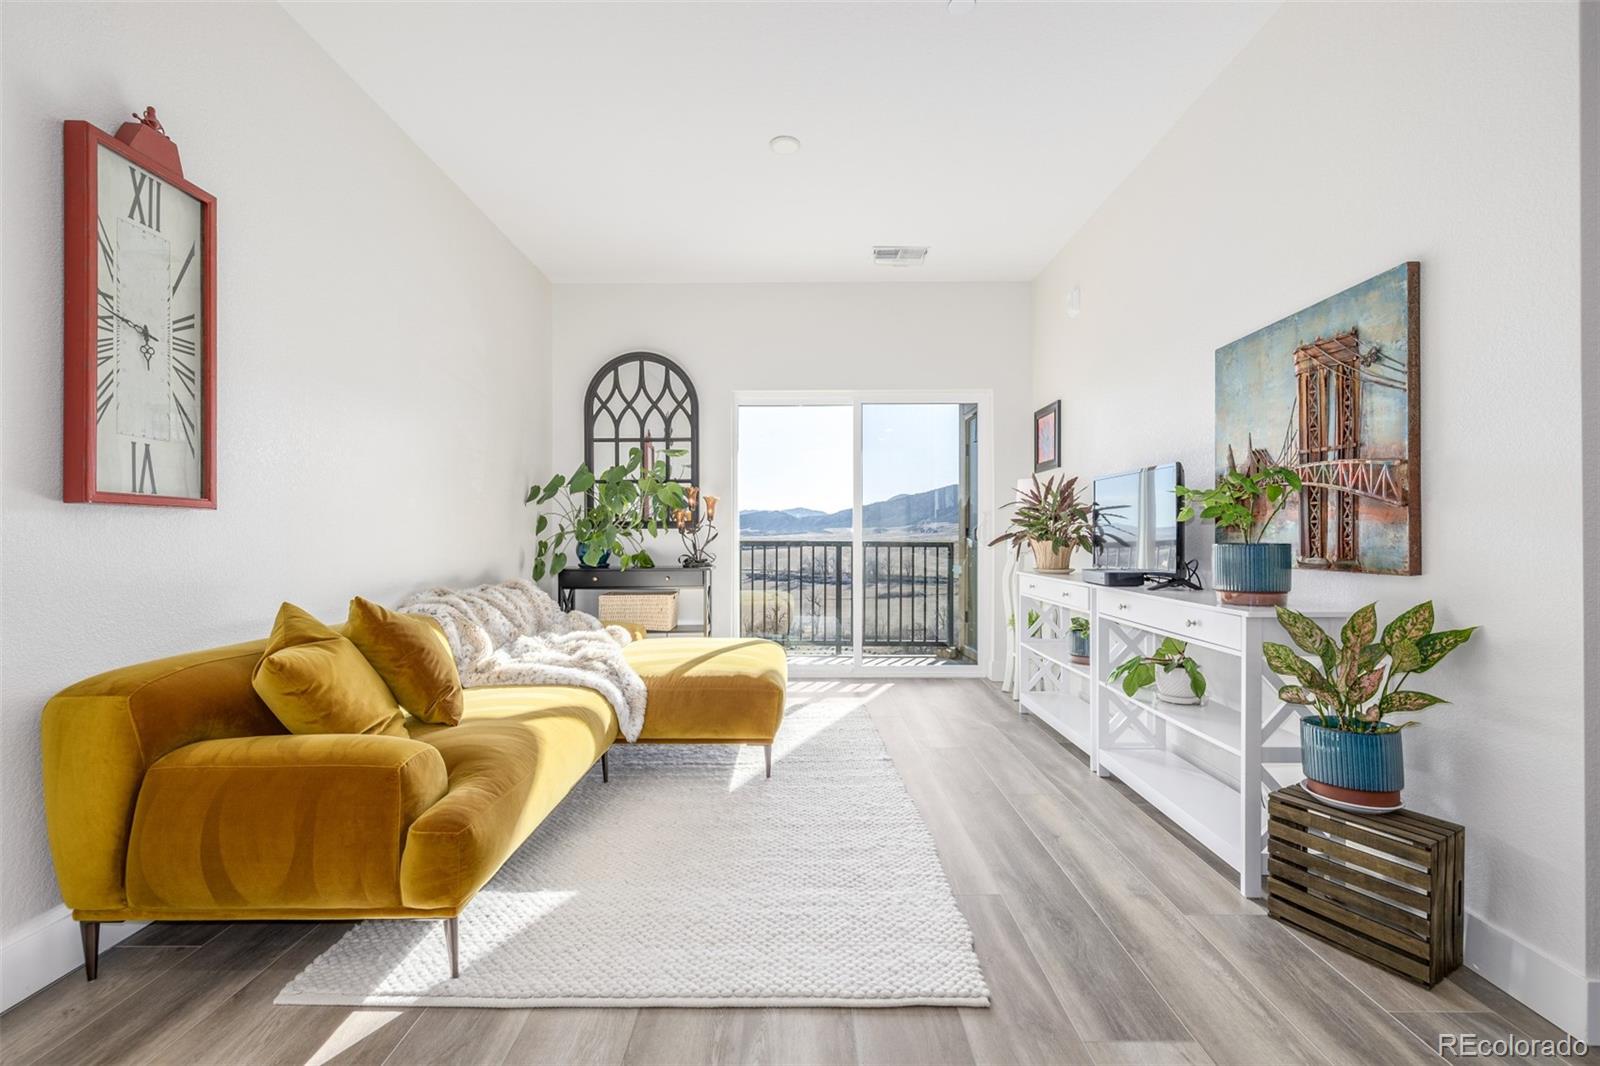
[{"x": 1049, "y": 560}]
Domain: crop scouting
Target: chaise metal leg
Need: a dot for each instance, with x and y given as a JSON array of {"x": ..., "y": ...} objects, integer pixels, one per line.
[
  {"x": 91, "y": 949},
  {"x": 605, "y": 770},
  {"x": 768, "y": 750},
  {"x": 451, "y": 928}
]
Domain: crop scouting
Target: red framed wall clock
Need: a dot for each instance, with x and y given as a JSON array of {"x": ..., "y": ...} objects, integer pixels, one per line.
[{"x": 141, "y": 324}]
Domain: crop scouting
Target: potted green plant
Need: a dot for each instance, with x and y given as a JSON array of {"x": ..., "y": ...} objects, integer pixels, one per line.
[
  {"x": 1249, "y": 571},
  {"x": 1078, "y": 646},
  {"x": 1177, "y": 677},
  {"x": 1349, "y": 752},
  {"x": 1052, "y": 520},
  {"x": 597, "y": 516}
]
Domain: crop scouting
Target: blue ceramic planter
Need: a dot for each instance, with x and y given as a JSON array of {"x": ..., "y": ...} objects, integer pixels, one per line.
[
  {"x": 1078, "y": 647},
  {"x": 603, "y": 564},
  {"x": 1364, "y": 762},
  {"x": 1252, "y": 574}
]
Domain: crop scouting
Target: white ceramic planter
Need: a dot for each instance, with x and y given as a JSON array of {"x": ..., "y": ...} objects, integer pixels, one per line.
[{"x": 1172, "y": 686}]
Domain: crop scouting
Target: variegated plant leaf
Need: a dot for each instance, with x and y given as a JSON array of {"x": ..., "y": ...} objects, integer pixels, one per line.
[
  {"x": 1409, "y": 625},
  {"x": 1348, "y": 668},
  {"x": 1306, "y": 634},
  {"x": 1282, "y": 659},
  {"x": 1435, "y": 646},
  {"x": 1403, "y": 702},
  {"x": 1296, "y": 694},
  {"x": 1362, "y": 627},
  {"x": 1406, "y": 656},
  {"x": 1371, "y": 656},
  {"x": 1366, "y": 686},
  {"x": 1330, "y": 658}
]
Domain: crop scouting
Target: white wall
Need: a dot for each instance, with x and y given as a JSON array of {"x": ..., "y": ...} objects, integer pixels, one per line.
[
  {"x": 743, "y": 338},
  {"x": 1344, "y": 140},
  {"x": 383, "y": 354}
]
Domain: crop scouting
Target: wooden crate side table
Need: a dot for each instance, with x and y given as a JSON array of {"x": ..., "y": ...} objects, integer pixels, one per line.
[{"x": 1385, "y": 887}]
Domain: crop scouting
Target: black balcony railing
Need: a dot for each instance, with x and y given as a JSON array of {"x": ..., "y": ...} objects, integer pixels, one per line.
[{"x": 797, "y": 592}]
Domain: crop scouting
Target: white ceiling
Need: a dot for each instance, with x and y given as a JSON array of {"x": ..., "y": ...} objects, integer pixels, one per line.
[{"x": 628, "y": 141}]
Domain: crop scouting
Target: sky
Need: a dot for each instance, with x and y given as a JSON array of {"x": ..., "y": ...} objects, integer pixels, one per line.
[{"x": 801, "y": 456}]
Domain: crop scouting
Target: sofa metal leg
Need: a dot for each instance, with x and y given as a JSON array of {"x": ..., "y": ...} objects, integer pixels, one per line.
[
  {"x": 605, "y": 770},
  {"x": 91, "y": 949},
  {"x": 768, "y": 750},
  {"x": 451, "y": 929}
]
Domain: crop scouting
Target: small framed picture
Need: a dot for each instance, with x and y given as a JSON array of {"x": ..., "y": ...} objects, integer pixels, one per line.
[{"x": 1047, "y": 437}]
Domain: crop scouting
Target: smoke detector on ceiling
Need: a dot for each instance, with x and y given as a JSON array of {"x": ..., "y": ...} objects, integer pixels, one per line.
[{"x": 899, "y": 255}]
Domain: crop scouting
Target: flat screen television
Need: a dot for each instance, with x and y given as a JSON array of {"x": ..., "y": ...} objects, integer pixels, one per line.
[{"x": 1136, "y": 528}]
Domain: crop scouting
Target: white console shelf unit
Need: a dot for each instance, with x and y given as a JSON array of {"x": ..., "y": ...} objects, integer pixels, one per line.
[
  {"x": 1208, "y": 767},
  {"x": 1050, "y": 686}
]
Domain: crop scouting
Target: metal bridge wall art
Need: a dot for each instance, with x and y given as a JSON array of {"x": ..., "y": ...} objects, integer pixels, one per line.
[{"x": 1332, "y": 392}]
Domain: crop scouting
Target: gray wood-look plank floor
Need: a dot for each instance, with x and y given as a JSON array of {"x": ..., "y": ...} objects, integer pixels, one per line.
[{"x": 1106, "y": 937}]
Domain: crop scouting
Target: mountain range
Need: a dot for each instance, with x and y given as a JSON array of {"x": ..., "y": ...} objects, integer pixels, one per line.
[{"x": 935, "y": 507}]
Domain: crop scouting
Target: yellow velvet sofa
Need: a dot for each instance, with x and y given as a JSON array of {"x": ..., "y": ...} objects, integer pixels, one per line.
[{"x": 172, "y": 793}]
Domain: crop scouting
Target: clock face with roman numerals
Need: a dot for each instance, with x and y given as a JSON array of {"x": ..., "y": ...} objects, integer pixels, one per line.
[{"x": 149, "y": 329}]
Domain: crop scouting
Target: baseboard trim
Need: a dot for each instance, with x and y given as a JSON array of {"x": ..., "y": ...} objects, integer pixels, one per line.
[
  {"x": 47, "y": 949},
  {"x": 1566, "y": 997}
]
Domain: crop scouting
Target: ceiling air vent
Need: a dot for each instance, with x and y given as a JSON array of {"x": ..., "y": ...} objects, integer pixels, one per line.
[{"x": 899, "y": 255}]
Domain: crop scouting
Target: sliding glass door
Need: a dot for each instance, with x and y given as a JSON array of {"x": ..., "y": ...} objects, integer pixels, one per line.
[
  {"x": 858, "y": 530},
  {"x": 913, "y": 555},
  {"x": 795, "y": 523}
]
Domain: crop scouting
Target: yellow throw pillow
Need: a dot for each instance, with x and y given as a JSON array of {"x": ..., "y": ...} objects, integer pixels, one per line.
[
  {"x": 316, "y": 681},
  {"x": 413, "y": 658}
]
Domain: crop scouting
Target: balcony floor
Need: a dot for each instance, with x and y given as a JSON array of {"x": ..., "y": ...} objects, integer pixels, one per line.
[{"x": 911, "y": 661}]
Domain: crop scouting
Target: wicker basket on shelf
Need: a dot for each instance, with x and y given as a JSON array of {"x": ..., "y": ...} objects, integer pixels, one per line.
[{"x": 656, "y": 611}]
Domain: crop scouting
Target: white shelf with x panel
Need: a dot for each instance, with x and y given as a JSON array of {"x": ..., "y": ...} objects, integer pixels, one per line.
[
  {"x": 1208, "y": 768},
  {"x": 1051, "y": 684}
]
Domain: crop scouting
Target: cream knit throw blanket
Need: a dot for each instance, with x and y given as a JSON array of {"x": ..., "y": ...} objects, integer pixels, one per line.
[{"x": 514, "y": 634}]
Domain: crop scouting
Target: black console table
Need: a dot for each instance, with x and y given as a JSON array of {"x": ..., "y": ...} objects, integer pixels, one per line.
[{"x": 655, "y": 578}]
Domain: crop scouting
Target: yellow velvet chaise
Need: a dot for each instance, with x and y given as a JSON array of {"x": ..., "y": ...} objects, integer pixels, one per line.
[{"x": 172, "y": 793}]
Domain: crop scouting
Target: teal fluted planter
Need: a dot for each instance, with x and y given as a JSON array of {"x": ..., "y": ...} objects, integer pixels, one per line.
[
  {"x": 1255, "y": 575},
  {"x": 1078, "y": 646},
  {"x": 1363, "y": 762}
]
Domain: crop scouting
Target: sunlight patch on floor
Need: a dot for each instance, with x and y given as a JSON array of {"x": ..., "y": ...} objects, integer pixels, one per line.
[
  {"x": 824, "y": 704},
  {"x": 356, "y": 1027}
]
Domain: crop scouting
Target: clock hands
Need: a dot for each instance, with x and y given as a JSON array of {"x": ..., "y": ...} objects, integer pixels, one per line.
[
  {"x": 146, "y": 349},
  {"x": 143, "y": 329}
]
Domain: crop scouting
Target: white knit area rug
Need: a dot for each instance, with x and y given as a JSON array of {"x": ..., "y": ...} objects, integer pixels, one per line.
[{"x": 690, "y": 880}]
